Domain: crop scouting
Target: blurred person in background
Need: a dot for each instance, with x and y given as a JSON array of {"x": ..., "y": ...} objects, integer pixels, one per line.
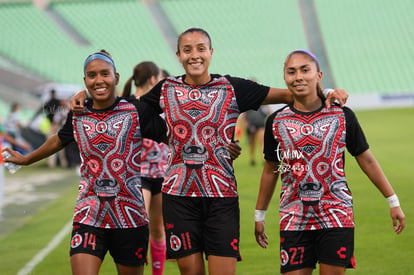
[
  {"x": 60, "y": 114},
  {"x": 254, "y": 124},
  {"x": 305, "y": 142},
  {"x": 7, "y": 141},
  {"x": 50, "y": 108},
  {"x": 252, "y": 121},
  {"x": 153, "y": 165},
  {"x": 110, "y": 213},
  {"x": 13, "y": 126},
  {"x": 69, "y": 157}
]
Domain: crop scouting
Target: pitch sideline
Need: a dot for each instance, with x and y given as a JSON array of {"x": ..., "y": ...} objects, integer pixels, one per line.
[{"x": 45, "y": 251}]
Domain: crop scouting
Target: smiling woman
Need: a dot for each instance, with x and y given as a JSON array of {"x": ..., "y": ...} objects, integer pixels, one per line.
[
  {"x": 302, "y": 74},
  {"x": 101, "y": 79},
  {"x": 316, "y": 207},
  {"x": 109, "y": 133},
  {"x": 194, "y": 52}
]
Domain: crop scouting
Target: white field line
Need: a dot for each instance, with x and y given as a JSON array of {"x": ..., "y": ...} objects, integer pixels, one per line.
[{"x": 45, "y": 251}]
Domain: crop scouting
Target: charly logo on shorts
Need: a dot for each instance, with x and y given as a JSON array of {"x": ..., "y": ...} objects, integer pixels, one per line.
[
  {"x": 175, "y": 242},
  {"x": 76, "y": 240},
  {"x": 284, "y": 257}
]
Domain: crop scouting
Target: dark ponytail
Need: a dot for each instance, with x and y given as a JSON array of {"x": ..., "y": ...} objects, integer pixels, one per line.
[{"x": 127, "y": 88}]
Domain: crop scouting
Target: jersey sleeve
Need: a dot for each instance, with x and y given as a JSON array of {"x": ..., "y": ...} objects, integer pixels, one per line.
[
  {"x": 152, "y": 98},
  {"x": 65, "y": 133},
  {"x": 249, "y": 94},
  {"x": 152, "y": 125},
  {"x": 270, "y": 144},
  {"x": 356, "y": 143}
]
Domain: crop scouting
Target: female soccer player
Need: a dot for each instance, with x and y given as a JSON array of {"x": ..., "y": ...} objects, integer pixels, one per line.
[
  {"x": 109, "y": 213},
  {"x": 153, "y": 165},
  {"x": 305, "y": 143}
]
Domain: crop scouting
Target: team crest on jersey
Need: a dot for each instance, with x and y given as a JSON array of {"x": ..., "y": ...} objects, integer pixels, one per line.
[
  {"x": 175, "y": 242},
  {"x": 101, "y": 127},
  {"x": 194, "y": 94},
  {"x": 76, "y": 240},
  {"x": 306, "y": 129},
  {"x": 284, "y": 257}
]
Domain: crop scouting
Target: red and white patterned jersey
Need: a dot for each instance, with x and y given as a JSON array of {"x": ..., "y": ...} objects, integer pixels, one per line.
[
  {"x": 200, "y": 124},
  {"x": 109, "y": 142},
  {"x": 154, "y": 160},
  {"x": 310, "y": 148}
]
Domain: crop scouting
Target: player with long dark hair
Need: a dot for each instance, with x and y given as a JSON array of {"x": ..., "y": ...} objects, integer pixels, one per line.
[{"x": 305, "y": 143}]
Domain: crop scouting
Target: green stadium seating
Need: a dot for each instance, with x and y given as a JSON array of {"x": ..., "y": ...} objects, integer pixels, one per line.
[
  {"x": 250, "y": 38},
  {"x": 123, "y": 28},
  {"x": 369, "y": 44},
  {"x": 30, "y": 40}
]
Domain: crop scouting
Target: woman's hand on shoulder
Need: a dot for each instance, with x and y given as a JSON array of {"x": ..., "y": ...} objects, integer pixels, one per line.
[{"x": 77, "y": 101}]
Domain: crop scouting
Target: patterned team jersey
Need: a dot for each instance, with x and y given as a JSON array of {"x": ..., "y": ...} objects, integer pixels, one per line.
[
  {"x": 200, "y": 123},
  {"x": 110, "y": 141},
  {"x": 310, "y": 148},
  {"x": 154, "y": 160}
]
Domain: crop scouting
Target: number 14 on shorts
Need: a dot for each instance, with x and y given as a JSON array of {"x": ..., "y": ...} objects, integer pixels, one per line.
[{"x": 88, "y": 239}]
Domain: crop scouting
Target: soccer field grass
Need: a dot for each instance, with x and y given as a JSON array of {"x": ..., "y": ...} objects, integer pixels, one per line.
[{"x": 28, "y": 228}]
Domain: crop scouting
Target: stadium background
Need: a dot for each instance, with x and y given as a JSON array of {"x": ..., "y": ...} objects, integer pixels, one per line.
[{"x": 365, "y": 47}]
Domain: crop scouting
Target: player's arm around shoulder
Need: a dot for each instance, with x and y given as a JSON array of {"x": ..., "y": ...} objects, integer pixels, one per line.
[
  {"x": 278, "y": 96},
  {"x": 335, "y": 95},
  {"x": 153, "y": 126},
  {"x": 77, "y": 102}
]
